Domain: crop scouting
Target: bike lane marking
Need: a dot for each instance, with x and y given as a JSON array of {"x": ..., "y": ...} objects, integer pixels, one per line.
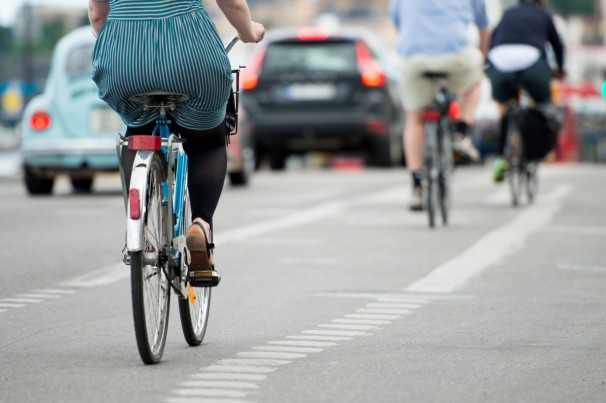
[{"x": 384, "y": 310}]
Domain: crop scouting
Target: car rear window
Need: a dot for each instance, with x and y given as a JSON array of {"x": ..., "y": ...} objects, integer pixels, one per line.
[
  {"x": 79, "y": 61},
  {"x": 331, "y": 56}
]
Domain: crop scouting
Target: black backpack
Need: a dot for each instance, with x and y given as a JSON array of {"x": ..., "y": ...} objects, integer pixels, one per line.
[{"x": 539, "y": 127}]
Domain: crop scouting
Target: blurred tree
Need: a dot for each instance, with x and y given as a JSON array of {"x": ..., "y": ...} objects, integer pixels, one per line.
[
  {"x": 51, "y": 32},
  {"x": 572, "y": 7}
]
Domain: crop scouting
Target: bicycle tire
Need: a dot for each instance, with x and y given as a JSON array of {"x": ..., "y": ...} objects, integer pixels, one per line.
[
  {"x": 193, "y": 310},
  {"x": 431, "y": 156},
  {"x": 515, "y": 169},
  {"x": 150, "y": 287},
  {"x": 532, "y": 182},
  {"x": 446, "y": 164}
]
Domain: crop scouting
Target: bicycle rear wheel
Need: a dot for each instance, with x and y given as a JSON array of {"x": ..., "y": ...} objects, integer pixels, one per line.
[
  {"x": 431, "y": 167},
  {"x": 445, "y": 170},
  {"x": 195, "y": 309},
  {"x": 514, "y": 154},
  {"x": 532, "y": 182},
  {"x": 149, "y": 284}
]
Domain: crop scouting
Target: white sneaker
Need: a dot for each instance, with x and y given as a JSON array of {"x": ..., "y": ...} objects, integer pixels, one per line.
[{"x": 464, "y": 145}]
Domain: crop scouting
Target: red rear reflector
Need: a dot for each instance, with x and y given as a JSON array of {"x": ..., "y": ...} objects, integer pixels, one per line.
[
  {"x": 377, "y": 126},
  {"x": 40, "y": 121},
  {"x": 134, "y": 204},
  {"x": 312, "y": 34},
  {"x": 431, "y": 115},
  {"x": 145, "y": 143},
  {"x": 455, "y": 110}
]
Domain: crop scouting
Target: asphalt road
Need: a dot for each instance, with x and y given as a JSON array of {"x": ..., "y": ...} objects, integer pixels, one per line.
[{"x": 332, "y": 292}]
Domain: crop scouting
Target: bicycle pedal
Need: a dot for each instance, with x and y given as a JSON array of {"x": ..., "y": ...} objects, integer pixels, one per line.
[{"x": 208, "y": 278}]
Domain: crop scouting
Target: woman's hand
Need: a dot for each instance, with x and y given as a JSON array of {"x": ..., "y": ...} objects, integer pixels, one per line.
[{"x": 255, "y": 35}]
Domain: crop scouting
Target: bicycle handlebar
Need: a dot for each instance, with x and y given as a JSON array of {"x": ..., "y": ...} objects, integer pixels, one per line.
[{"x": 231, "y": 43}]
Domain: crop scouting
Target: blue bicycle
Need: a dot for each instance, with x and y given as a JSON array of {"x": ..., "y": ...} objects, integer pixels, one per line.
[{"x": 158, "y": 216}]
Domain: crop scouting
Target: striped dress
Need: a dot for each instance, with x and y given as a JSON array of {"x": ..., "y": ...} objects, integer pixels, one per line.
[{"x": 162, "y": 45}]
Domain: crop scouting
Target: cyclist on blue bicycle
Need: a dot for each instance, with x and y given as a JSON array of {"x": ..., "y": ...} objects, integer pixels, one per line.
[
  {"x": 173, "y": 46},
  {"x": 518, "y": 60},
  {"x": 433, "y": 36}
]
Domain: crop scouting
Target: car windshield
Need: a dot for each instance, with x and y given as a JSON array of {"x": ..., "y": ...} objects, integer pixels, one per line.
[
  {"x": 79, "y": 61},
  {"x": 332, "y": 56}
]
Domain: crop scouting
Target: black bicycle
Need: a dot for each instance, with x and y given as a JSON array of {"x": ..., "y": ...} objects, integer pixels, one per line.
[
  {"x": 521, "y": 173},
  {"x": 438, "y": 150}
]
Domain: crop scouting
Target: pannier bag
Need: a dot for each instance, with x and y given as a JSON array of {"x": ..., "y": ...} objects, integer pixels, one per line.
[{"x": 539, "y": 127}]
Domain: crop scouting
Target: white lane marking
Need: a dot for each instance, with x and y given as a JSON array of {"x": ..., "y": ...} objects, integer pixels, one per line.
[
  {"x": 277, "y": 349},
  {"x": 329, "y": 338},
  {"x": 43, "y": 296},
  {"x": 303, "y": 343},
  {"x": 362, "y": 321},
  {"x": 335, "y": 333},
  {"x": 7, "y": 305},
  {"x": 270, "y": 355},
  {"x": 387, "y": 311},
  {"x": 491, "y": 248},
  {"x": 104, "y": 276},
  {"x": 372, "y": 316},
  {"x": 219, "y": 384},
  {"x": 575, "y": 230},
  {"x": 205, "y": 400},
  {"x": 210, "y": 392},
  {"x": 55, "y": 291},
  {"x": 299, "y": 218},
  {"x": 348, "y": 327},
  {"x": 22, "y": 300},
  {"x": 253, "y": 361},
  {"x": 240, "y": 368},
  {"x": 396, "y": 305},
  {"x": 229, "y": 376},
  {"x": 579, "y": 267},
  {"x": 404, "y": 300}
]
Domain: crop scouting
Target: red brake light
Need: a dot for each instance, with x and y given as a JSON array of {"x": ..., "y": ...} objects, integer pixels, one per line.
[
  {"x": 312, "y": 34},
  {"x": 371, "y": 73},
  {"x": 249, "y": 78},
  {"x": 40, "y": 121}
]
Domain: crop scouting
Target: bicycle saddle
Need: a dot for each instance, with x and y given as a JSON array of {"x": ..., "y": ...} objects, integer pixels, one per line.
[
  {"x": 159, "y": 99},
  {"x": 435, "y": 74}
]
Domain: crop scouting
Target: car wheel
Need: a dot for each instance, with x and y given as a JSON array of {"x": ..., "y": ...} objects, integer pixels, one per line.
[
  {"x": 37, "y": 184},
  {"x": 82, "y": 185},
  {"x": 380, "y": 154},
  {"x": 238, "y": 178}
]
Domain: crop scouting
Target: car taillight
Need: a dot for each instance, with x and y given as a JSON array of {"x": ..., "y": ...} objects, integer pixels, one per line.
[
  {"x": 371, "y": 73},
  {"x": 40, "y": 121},
  {"x": 249, "y": 77}
]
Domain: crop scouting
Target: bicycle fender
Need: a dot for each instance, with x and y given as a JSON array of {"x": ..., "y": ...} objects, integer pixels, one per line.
[{"x": 138, "y": 181}]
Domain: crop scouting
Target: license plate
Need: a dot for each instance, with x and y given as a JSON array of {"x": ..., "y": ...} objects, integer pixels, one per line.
[
  {"x": 310, "y": 92},
  {"x": 105, "y": 120}
]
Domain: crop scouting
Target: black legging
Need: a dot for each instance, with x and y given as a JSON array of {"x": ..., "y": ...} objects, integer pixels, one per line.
[{"x": 207, "y": 166}]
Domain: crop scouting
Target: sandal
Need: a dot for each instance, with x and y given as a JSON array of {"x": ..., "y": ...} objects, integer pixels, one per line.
[{"x": 201, "y": 273}]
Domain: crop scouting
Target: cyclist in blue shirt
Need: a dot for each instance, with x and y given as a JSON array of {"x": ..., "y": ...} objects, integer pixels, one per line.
[
  {"x": 518, "y": 60},
  {"x": 433, "y": 36},
  {"x": 173, "y": 46}
]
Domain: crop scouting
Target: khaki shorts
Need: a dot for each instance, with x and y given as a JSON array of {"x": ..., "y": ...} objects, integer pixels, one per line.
[{"x": 464, "y": 70}]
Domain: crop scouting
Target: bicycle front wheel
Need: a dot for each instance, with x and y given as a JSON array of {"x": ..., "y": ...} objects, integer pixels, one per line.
[
  {"x": 149, "y": 284},
  {"x": 195, "y": 309}
]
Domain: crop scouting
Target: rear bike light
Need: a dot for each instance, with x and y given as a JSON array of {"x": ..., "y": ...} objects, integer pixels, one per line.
[
  {"x": 40, "y": 121},
  {"x": 455, "y": 110},
  {"x": 134, "y": 201},
  {"x": 249, "y": 77},
  {"x": 371, "y": 73},
  {"x": 431, "y": 115}
]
